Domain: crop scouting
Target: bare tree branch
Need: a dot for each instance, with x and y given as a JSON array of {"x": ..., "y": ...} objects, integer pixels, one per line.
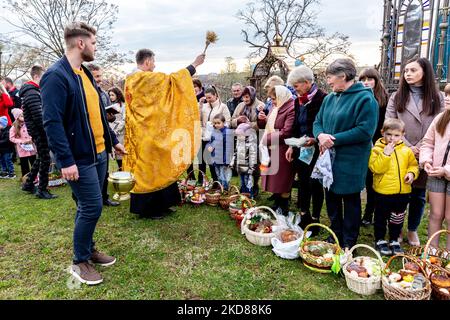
[
  {"x": 296, "y": 21},
  {"x": 44, "y": 21}
]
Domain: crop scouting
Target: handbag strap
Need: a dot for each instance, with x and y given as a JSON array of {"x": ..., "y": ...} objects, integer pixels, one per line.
[{"x": 446, "y": 155}]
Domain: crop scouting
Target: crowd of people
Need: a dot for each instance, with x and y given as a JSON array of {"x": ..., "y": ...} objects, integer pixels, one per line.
[{"x": 395, "y": 148}]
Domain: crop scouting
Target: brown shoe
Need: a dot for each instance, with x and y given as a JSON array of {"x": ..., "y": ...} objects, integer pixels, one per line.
[
  {"x": 86, "y": 273},
  {"x": 102, "y": 259}
]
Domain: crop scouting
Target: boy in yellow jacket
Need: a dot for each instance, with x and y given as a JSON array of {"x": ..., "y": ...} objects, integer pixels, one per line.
[{"x": 395, "y": 168}]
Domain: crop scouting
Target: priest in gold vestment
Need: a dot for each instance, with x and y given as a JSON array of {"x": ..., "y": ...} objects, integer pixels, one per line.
[{"x": 161, "y": 116}]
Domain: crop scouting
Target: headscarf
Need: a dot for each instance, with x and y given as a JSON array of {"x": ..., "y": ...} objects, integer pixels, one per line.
[
  {"x": 249, "y": 90},
  {"x": 283, "y": 96}
]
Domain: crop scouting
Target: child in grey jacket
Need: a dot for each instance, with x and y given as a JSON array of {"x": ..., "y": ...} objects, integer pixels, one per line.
[{"x": 246, "y": 156}]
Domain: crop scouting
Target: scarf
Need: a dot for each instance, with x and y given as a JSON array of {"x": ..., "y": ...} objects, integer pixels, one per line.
[
  {"x": 307, "y": 97},
  {"x": 249, "y": 90},
  {"x": 283, "y": 96}
]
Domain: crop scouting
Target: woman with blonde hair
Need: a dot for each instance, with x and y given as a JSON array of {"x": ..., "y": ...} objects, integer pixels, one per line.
[{"x": 271, "y": 83}]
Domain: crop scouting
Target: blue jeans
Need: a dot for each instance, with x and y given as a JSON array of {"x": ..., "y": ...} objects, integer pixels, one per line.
[
  {"x": 224, "y": 174},
  {"x": 244, "y": 182},
  {"x": 88, "y": 192},
  {"x": 7, "y": 164},
  {"x": 416, "y": 210}
]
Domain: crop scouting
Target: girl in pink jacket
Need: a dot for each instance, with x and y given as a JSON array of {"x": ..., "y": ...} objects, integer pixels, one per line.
[
  {"x": 23, "y": 141},
  {"x": 435, "y": 159}
]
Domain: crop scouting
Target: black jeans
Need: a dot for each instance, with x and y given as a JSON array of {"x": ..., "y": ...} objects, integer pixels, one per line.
[
  {"x": 120, "y": 164},
  {"x": 309, "y": 188},
  {"x": 390, "y": 210},
  {"x": 344, "y": 212},
  {"x": 26, "y": 163},
  {"x": 190, "y": 172},
  {"x": 206, "y": 159},
  {"x": 41, "y": 165}
]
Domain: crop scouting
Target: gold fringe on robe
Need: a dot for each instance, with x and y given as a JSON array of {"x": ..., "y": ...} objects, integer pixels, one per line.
[{"x": 162, "y": 121}]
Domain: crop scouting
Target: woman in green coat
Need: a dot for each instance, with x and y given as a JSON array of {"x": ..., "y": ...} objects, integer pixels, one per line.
[{"x": 346, "y": 122}]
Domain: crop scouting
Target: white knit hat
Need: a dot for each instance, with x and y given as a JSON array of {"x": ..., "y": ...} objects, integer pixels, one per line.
[{"x": 16, "y": 112}]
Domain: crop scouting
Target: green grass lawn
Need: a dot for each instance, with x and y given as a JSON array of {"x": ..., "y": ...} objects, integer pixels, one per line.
[{"x": 193, "y": 254}]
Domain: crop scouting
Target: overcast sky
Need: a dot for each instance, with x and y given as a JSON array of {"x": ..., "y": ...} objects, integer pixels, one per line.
[{"x": 175, "y": 30}]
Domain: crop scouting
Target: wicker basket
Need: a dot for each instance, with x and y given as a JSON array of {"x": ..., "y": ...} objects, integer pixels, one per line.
[
  {"x": 394, "y": 293},
  {"x": 257, "y": 238},
  {"x": 432, "y": 269},
  {"x": 427, "y": 251},
  {"x": 234, "y": 211},
  {"x": 315, "y": 263},
  {"x": 213, "y": 195},
  {"x": 229, "y": 196},
  {"x": 364, "y": 286},
  {"x": 434, "y": 252},
  {"x": 234, "y": 208},
  {"x": 187, "y": 190},
  {"x": 437, "y": 294}
]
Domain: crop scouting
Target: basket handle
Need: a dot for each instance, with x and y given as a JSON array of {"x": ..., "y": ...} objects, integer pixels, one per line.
[
  {"x": 205, "y": 177},
  {"x": 234, "y": 188},
  {"x": 436, "y": 269},
  {"x": 427, "y": 246},
  {"x": 368, "y": 248},
  {"x": 413, "y": 259},
  {"x": 321, "y": 226},
  {"x": 247, "y": 215},
  {"x": 220, "y": 185},
  {"x": 247, "y": 200}
]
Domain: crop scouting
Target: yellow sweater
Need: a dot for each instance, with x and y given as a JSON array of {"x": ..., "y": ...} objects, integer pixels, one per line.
[
  {"x": 389, "y": 172},
  {"x": 93, "y": 109}
]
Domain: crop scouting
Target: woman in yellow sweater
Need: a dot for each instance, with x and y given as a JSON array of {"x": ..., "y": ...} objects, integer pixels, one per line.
[{"x": 395, "y": 168}]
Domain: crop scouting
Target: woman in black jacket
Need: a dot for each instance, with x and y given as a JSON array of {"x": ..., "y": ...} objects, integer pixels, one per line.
[{"x": 307, "y": 106}]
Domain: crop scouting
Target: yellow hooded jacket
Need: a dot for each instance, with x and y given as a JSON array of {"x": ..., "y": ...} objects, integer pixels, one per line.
[{"x": 389, "y": 172}]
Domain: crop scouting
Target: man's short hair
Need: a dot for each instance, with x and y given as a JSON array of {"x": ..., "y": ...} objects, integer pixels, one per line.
[
  {"x": 9, "y": 80},
  {"x": 237, "y": 84},
  {"x": 78, "y": 29},
  {"x": 36, "y": 71},
  {"x": 93, "y": 67},
  {"x": 143, "y": 55}
]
